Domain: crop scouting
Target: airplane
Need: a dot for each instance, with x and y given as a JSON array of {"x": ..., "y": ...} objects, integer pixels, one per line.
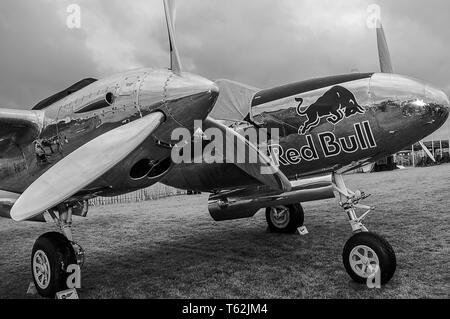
[{"x": 116, "y": 135}]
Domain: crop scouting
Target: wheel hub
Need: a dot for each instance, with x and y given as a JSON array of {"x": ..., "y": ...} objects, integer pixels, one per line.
[
  {"x": 280, "y": 216},
  {"x": 364, "y": 261},
  {"x": 41, "y": 269}
]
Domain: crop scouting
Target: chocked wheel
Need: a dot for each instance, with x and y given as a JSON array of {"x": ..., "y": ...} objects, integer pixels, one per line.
[
  {"x": 52, "y": 254},
  {"x": 285, "y": 219},
  {"x": 366, "y": 253}
]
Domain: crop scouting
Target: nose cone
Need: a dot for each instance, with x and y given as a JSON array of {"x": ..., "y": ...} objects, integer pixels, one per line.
[
  {"x": 407, "y": 108},
  {"x": 190, "y": 98},
  {"x": 438, "y": 105}
]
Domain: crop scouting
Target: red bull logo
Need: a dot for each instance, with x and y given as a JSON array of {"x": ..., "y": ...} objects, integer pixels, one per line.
[
  {"x": 335, "y": 105},
  {"x": 329, "y": 145}
]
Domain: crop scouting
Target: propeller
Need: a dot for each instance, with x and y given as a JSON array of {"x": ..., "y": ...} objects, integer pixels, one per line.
[
  {"x": 175, "y": 63},
  {"x": 383, "y": 51}
]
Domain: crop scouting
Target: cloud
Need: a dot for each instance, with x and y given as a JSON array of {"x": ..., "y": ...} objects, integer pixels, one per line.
[
  {"x": 39, "y": 55},
  {"x": 265, "y": 43},
  {"x": 262, "y": 43}
]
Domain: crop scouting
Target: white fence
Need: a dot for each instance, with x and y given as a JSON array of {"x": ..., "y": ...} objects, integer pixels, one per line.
[{"x": 152, "y": 193}]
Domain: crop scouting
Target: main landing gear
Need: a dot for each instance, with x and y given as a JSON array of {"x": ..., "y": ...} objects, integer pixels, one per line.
[
  {"x": 366, "y": 256},
  {"x": 285, "y": 219},
  {"x": 54, "y": 252}
]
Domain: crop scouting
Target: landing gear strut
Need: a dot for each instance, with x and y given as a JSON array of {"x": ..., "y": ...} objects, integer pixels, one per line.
[
  {"x": 366, "y": 255},
  {"x": 53, "y": 252}
]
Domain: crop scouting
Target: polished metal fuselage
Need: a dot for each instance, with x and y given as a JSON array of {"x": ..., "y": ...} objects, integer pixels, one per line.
[
  {"x": 393, "y": 113},
  {"x": 386, "y": 113},
  {"x": 61, "y": 128}
]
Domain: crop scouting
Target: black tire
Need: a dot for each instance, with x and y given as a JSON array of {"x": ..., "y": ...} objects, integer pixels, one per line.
[
  {"x": 295, "y": 219},
  {"x": 381, "y": 247},
  {"x": 60, "y": 254}
]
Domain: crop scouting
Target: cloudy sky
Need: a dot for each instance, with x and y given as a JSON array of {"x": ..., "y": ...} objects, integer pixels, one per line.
[{"x": 262, "y": 43}]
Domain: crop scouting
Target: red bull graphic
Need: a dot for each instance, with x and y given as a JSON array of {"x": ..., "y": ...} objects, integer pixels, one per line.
[
  {"x": 329, "y": 145},
  {"x": 335, "y": 105}
]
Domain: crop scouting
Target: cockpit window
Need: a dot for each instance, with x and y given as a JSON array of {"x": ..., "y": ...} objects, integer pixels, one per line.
[{"x": 234, "y": 102}]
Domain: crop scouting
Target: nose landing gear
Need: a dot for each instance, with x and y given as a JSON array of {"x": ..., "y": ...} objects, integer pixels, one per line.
[{"x": 366, "y": 256}]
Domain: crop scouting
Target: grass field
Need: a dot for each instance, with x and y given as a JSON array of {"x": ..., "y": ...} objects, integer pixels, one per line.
[{"x": 171, "y": 248}]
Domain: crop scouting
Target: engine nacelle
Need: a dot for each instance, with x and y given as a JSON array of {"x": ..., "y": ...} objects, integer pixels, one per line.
[{"x": 246, "y": 203}]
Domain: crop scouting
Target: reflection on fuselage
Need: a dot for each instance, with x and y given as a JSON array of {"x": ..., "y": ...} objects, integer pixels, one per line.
[
  {"x": 73, "y": 121},
  {"x": 331, "y": 123}
]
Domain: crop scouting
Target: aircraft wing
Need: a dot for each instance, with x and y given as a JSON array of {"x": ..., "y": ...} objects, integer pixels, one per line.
[
  {"x": 83, "y": 166},
  {"x": 263, "y": 170},
  {"x": 7, "y": 200}
]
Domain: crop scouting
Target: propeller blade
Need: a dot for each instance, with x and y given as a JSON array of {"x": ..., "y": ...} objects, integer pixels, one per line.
[
  {"x": 263, "y": 171},
  {"x": 427, "y": 151},
  {"x": 383, "y": 51},
  {"x": 83, "y": 166},
  {"x": 175, "y": 63}
]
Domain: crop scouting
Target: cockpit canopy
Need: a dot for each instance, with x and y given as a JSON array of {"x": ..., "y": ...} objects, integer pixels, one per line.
[
  {"x": 60, "y": 95},
  {"x": 234, "y": 102}
]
